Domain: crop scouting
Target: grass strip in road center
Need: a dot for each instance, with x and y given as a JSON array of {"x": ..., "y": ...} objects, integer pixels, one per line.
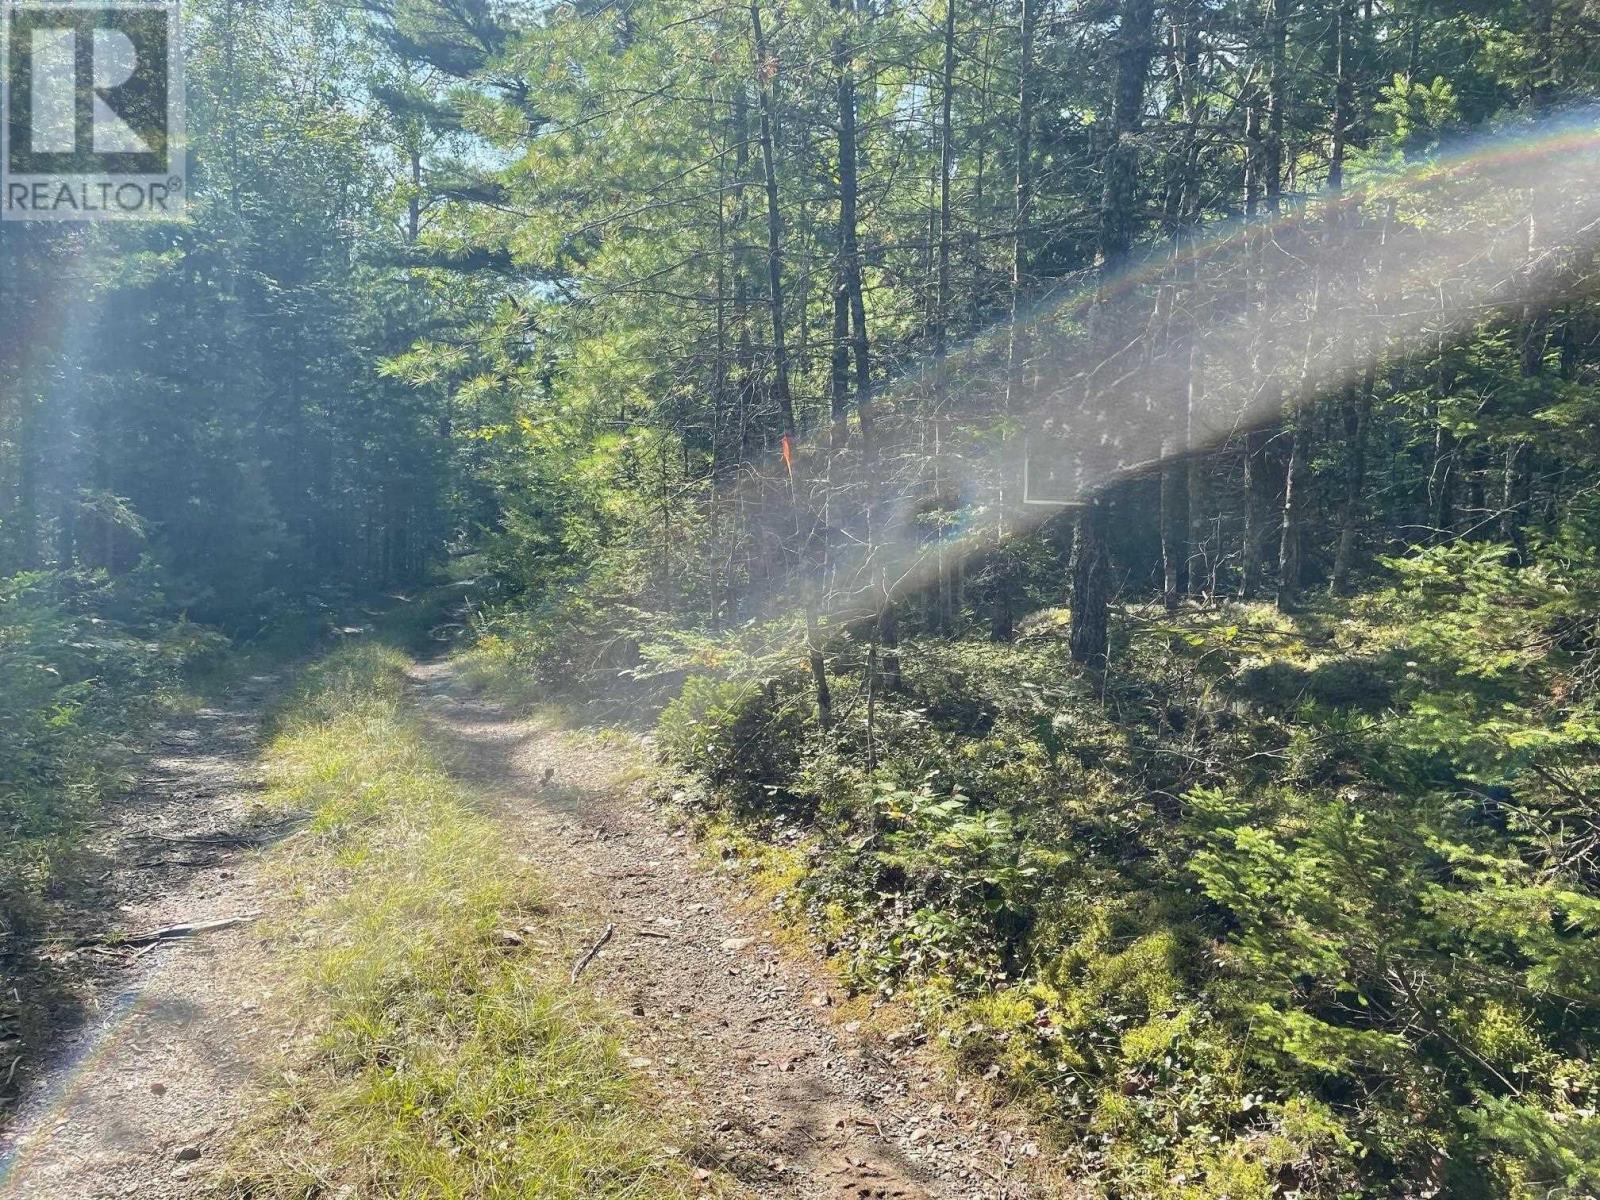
[{"x": 448, "y": 1055}]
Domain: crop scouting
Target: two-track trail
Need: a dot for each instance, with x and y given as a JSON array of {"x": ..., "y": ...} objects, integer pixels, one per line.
[
  {"x": 791, "y": 1103},
  {"x": 778, "y": 1096}
]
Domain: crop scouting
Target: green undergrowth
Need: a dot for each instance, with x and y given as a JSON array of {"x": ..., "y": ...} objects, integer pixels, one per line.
[
  {"x": 1286, "y": 906},
  {"x": 492, "y": 664},
  {"x": 448, "y": 1057},
  {"x": 605, "y": 661}
]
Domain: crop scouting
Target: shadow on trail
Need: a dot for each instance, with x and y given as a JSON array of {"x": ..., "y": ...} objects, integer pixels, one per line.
[{"x": 184, "y": 812}]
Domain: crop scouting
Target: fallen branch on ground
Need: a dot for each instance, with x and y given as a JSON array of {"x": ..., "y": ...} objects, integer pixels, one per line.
[
  {"x": 178, "y": 862},
  {"x": 577, "y": 967},
  {"x": 256, "y": 835},
  {"x": 169, "y": 933}
]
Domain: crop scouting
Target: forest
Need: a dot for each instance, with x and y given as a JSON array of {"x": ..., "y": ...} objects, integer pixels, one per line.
[{"x": 1092, "y": 505}]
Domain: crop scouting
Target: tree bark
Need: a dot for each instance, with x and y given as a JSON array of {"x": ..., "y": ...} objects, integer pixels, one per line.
[
  {"x": 852, "y": 312},
  {"x": 1178, "y": 542},
  {"x": 1202, "y": 583}
]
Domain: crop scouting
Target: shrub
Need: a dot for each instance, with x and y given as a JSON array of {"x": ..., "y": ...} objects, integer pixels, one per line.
[
  {"x": 1352, "y": 683},
  {"x": 744, "y": 736},
  {"x": 1339, "y": 943},
  {"x": 1272, "y": 684}
]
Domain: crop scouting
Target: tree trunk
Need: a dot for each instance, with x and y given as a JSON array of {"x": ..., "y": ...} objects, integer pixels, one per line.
[
  {"x": 1343, "y": 94},
  {"x": 719, "y": 396},
  {"x": 850, "y": 241},
  {"x": 819, "y": 668},
  {"x": 1357, "y": 417},
  {"x": 1258, "y": 508},
  {"x": 1201, "y": 582},
  {"x": 1290, "y": 565},
  {"x": 744, "y": 349},
  {"x": 1356, "y": 407},
  {"x": 769, "y": 171},
  {"x": 1273, "y": 151},
  {"x": 946, "y": 165},
  {"x": 1183, "y": 214},
  {"x": 1003, "y": 615},
  {"x": 889, "y": 637},
  {"x": 1514, "y": 500},
  {"x": 29, "y": 538},
  {"x": 1134, "y": 47},
  {"x": 1535, "y": 325},
  {"x": 780, "y": 369},
  {"x": 1442, "y": 485},
  {"x": 1253, "y": 151},
  {"x": 839, "y": 365},
  {"x": 1091, "y": 586},
  {"x": 860, "y": 345},
  {"x": 1134, "y": 50},
  {"x": 1174, "y": 532}
]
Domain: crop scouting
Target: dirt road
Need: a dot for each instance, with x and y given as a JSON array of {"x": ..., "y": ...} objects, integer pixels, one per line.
[{"x": 140, "y": 1100}]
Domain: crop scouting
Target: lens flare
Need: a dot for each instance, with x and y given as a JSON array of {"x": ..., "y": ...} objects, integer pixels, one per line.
[{"x": 1201, "y": 339}]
